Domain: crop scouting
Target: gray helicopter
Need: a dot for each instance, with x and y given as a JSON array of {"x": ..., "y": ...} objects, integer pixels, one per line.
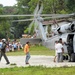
[{"x": 66, "y": 31}]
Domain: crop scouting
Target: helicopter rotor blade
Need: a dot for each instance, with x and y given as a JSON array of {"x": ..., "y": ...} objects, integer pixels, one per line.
[
  {"x": 15, "y": 15},
  {"x": 51, "y": 15},
  {"x": 22, "y": 20},
  {"x": 57, "y": 15},
  {"x": 36, "y": 9},
  {"x": 40, "y": 10},
  {"x": 30, "y": 25}
]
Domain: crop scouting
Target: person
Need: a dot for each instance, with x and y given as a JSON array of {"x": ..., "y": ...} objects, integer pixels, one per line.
[
  {"x": 60, "y": 51},
  {"x": 15, "y": 46},
  {"x": 26, "y": 51},
  {"x": 56, "y": 42},
  {"x": 70, "y": 48},
  {"x": 61, "y": 41},
  {"x": 3, "y": 50}
]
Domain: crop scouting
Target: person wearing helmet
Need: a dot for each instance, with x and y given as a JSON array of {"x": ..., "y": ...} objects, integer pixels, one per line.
[{"x": 3, "y": 50}]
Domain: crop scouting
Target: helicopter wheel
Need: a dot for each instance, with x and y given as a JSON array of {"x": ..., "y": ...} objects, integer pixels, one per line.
[
  {"x": 65, "y": 57},
  {"x": 73, "y": 57}
]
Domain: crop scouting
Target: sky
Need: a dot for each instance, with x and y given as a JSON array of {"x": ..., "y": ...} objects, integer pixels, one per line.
[{"x": 8, "y": 2}]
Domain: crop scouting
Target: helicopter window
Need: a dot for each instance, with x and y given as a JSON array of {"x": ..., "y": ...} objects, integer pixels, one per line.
[{"x": 58, "y": 29}]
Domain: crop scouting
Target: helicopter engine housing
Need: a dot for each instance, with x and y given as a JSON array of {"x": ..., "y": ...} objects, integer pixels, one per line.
[{"x": 66, "y": 28}]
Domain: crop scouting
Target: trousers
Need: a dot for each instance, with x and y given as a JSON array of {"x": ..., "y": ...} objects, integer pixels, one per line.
[
  {"x": 27, "y": 57},
  {"x": 59, "y": 57},
  {"x": 3, "y": 54}
]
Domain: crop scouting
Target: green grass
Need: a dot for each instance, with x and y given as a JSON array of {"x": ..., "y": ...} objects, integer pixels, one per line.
[
  {"x": 34, "y": 50},
  {"x": 38, "y": 70}
]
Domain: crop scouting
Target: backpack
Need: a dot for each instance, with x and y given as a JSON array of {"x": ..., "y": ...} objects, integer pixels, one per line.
[
  {"x": 0, "y": 45},
  {"x": 3, "y": 46}
]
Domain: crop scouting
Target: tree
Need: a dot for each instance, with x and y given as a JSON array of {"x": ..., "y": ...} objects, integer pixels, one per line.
[
  {"x": 71, "y": 5},
  {"x": 4, "y": 29},
  {"x": 22, "y": 8},
  {"x": 49, "y": 6},
  {"x": 4, "y": 25}
]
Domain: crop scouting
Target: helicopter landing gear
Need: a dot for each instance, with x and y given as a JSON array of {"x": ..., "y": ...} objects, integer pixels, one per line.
[{"x": 65, "y": 57}]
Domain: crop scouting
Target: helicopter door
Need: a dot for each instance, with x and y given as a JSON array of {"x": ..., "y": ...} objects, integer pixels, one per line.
[
  {"x": 73, "y": 54},
  {"x": 74, "y": 43},
  {"x": 71, "y": 42}
]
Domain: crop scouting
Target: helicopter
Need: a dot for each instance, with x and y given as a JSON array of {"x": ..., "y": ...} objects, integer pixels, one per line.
[{"x": 64, "y": 30}]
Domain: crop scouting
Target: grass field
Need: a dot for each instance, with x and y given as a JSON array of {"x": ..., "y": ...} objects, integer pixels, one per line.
[
  {"x": 38, "y": 70},
  {"x": 34, "y": 50}
]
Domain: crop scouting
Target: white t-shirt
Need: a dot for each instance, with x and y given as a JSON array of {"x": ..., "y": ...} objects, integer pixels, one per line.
[{"x": 58, "y": 48}]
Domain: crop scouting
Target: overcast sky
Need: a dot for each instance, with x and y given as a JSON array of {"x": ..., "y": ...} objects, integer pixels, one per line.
[{"x": 8, "y": 2}]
